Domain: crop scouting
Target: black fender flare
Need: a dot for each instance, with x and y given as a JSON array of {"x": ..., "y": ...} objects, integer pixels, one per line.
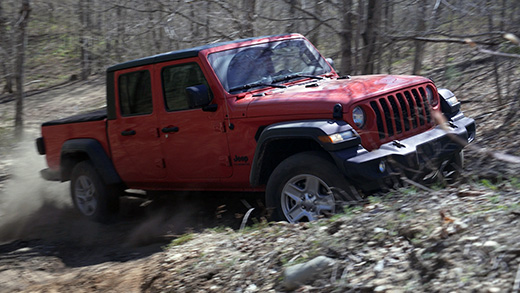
[
  {"x": 91, "y": 149},
  {"x": 315, "y": 130},
  {"x": 450, "y": 106}
]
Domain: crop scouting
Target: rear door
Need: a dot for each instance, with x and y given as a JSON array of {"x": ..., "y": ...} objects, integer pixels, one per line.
[
  {"x": 194, "y": 137},
  {"x": 134, "y": 135}
]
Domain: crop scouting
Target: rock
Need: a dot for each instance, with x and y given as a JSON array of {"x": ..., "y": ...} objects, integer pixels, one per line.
[
  {"x": 411, "y": 231},
  {"x": 251, "y": 289},
  {"x": 380, "y": 266},
  {"x": 378, "y": 230},
  {"x": 490, "y": 245},
  {"x": 297, "y": 275}
]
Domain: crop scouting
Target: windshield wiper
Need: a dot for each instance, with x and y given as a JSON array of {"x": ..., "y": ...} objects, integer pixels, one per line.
[
  {"x": 296, "y": 75},
  {"x": 255, "y": 84}
]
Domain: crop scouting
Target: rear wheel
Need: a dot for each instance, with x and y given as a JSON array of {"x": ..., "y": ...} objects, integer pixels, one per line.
[
  {"x": 91, "y": 196},
  {"x": 307, "y": 186}
]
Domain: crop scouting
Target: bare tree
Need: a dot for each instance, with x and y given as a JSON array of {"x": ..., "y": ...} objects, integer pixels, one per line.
[
  {"x": 420, "y": 29},
  {"x": 346, "y": 37},
  {"x": 5, "y": 48},
  {"x": 84, "y": 38},
  {"x": 371, "y": 35},
  {"x": 247, "y": 26},
  {"x": 21, "y": 26}
]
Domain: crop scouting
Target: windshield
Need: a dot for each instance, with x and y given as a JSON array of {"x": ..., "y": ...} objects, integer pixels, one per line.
[{"x": 262, "y": 65}]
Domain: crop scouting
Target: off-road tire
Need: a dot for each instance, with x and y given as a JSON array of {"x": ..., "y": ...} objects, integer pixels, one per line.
[
  {"x": 91, "y": 196},
  {"x": 316, "y": 185}
]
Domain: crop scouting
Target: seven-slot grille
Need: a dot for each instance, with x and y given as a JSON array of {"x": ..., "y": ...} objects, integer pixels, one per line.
[{"x": 401, "y": 112}]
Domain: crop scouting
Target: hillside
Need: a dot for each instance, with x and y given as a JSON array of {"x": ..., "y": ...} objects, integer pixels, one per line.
[{"x": 457, "y": 238}]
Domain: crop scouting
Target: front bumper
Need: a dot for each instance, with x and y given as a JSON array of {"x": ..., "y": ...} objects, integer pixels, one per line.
[{"x": 414, "y": 157}]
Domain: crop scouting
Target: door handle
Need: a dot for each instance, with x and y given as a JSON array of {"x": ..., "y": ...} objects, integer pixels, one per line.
[
  {"x": 128, "y": 132},
  {"x": 170, "y": 129}
]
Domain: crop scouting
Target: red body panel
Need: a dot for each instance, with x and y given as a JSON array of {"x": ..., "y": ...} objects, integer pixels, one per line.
[{"x": 56, "y": 135}]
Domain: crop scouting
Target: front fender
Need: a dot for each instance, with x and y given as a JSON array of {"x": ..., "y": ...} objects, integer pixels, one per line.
[{"x": 315, "y": 130}]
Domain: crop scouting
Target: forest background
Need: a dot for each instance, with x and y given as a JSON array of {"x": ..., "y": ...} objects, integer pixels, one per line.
[{"x": 457, "y": 43}]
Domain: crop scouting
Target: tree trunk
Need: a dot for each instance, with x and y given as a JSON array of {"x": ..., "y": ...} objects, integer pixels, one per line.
[
  {"x": 120, "y": 38},
  {"x": 314, "y": 36},
  {"x": 247, "y": 29},
  {"x": 346, "y": 38},
  {"x": 84, "y": 39},
  {"x": 371, "y": 35},
  {"x": 293, "y": 25},
  {"x": 389, "y": 12},
  {"x": 496, "y": 64},
  {"x": 19, "y": 66},
  {"x": 5, "y": 44},
  {"x": 420, "y": 29}
]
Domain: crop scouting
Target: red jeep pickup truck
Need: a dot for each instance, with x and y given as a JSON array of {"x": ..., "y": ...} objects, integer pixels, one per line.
[{"x": 261, "y": 114}]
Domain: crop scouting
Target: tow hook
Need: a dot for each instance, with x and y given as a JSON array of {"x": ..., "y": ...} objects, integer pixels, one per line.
[{"x": 398, "y": 144}]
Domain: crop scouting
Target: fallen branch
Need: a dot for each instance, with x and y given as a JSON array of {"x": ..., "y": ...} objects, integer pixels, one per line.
[
  {"x": 516, "y": 284},
  {"x": 244, "y": 220}
]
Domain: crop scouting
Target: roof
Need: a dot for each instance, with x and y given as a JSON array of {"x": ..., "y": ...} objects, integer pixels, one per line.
[{"x": 180, "y": 54}]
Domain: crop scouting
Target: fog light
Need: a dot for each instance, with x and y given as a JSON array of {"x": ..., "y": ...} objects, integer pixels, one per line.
[{"x": 382, "y": 166}]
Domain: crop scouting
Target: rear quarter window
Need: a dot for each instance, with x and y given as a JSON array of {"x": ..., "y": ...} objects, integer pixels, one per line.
[{"x": 135, "y": 93}]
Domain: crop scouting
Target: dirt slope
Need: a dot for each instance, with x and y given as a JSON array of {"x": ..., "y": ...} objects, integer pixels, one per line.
[{"x": 462, "y": 238}]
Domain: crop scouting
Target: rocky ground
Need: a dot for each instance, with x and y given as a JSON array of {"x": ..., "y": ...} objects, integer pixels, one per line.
[{"x": 460, "y": 238}]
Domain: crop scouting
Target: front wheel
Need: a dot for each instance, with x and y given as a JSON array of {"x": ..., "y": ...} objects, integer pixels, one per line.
[
  {"x": 90, "y": 195},
  {"x": 307, "y": 186}
]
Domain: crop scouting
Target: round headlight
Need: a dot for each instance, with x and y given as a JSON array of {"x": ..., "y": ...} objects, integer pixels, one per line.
[
  {"x": 358, "y": 116},
  {"x": 429, "y": 96}
]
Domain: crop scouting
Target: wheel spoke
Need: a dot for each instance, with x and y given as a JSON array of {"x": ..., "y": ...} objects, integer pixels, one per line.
[
  {"x": 293, "y": 192},
  {"x": 312, "y": 184},
  {"x": 296, "y": 214},
  {"x": 84, "y": 183},
  {"x": 90, "y": 206}
]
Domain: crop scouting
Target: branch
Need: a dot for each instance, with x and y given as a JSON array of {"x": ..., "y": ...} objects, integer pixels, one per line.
[
  {"x": 495, "y": 53},
  {"x": 510, "y": 37},
  {"x": 441, "y": 40},
  {"x": 318, "y": 18}
]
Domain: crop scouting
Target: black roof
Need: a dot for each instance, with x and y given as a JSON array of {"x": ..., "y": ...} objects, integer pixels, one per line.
[{"x": 176, "y": 55}]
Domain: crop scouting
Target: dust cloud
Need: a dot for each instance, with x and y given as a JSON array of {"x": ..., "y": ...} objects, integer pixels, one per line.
[{"x": 27, "y": 201}]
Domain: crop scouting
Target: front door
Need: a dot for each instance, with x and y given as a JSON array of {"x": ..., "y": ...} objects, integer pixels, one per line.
[{"x": 193, "y": 138}]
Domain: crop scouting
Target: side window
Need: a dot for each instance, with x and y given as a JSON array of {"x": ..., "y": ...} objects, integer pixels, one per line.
[
  {"x": 135, "y": 93},
  {"x": 175, "y": 81}
]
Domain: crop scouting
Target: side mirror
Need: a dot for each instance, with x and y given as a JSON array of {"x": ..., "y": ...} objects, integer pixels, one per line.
[
  {"x": 331, "y": 62},
  {"x": 198, "y": 96}
]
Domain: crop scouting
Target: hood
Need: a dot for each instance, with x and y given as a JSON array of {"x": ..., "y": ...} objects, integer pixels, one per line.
[{"x": 319, "y": 97}]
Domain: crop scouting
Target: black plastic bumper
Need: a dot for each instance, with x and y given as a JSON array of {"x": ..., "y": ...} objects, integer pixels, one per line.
[
  {"x": 413, "y": 157},
  {"x": 50, "y": 175}
]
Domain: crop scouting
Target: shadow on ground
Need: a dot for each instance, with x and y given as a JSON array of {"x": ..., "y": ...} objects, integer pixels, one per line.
[{"x": 142, "y": 228}]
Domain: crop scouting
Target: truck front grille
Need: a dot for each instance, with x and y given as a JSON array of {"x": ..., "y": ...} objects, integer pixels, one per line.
[{"x": 402, "y": 112}]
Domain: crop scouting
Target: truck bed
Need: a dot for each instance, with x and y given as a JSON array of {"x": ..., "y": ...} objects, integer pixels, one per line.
[{"x": 90, "y": 125}]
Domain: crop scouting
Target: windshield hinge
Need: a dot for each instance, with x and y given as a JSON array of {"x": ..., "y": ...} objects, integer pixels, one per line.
[{"x": 337, "y": 111}]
